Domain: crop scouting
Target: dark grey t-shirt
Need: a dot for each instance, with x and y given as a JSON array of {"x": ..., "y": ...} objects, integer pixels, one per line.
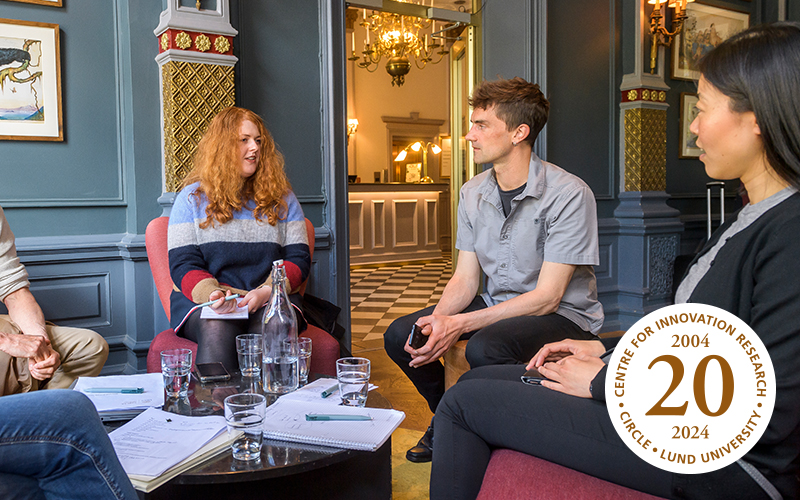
[{"x": 507, "y": 196}]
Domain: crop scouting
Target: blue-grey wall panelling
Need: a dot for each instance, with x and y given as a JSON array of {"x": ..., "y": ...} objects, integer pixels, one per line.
[
  {"x": 583, "y": 91},
  {"x": 79, "y": 207}
]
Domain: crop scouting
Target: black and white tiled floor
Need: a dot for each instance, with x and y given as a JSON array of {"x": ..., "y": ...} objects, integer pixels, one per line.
[{"x": 378, "y": 295}]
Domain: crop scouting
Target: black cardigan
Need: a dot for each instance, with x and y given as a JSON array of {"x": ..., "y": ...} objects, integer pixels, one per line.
[{"x": 756, "y": 276}]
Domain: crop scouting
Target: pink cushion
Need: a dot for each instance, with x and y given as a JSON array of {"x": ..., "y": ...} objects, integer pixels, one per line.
[
  {"x": 512, "y": 475},
  {"x": 324, "y": 350}
]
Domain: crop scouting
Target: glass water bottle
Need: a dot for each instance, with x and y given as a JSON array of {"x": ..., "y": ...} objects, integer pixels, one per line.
[{"x": 279, "y": 337}]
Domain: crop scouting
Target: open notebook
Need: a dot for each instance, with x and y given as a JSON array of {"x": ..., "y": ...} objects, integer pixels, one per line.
[{"x": 286, "y": 421}]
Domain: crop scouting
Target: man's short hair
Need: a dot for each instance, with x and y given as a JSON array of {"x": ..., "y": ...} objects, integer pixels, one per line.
[{"x": 515, "y": 101}]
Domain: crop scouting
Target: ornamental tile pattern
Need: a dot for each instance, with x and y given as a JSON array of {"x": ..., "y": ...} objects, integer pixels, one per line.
[
  {"x": 645, "y": 149},
  {"x": 193, "y": 93}
]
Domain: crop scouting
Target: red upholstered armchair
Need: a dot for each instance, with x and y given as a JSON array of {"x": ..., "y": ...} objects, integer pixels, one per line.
[
  {"x": 512, "y": 475},
  {"x": 325, "y": 347}
]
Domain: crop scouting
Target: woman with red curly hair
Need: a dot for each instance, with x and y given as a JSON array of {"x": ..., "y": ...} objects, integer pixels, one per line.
[{"x": 234, "y": 216}]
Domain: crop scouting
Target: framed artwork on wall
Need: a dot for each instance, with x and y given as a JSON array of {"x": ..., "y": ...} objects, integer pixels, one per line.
[
  {"x": 688, "y": 140},
  {"x": 30, "y": 81},
  {"x": 446, "y": 159},
  {"x": 413, "y": 172},
  {"x": 705, "y": 27},
  {"x": 53, "y": 3}
]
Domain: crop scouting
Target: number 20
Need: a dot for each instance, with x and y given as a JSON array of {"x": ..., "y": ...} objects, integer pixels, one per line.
[{"x": 699, "y": 386}]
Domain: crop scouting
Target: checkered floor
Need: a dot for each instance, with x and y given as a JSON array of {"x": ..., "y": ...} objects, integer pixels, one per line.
[{"x": 378, "y": 295}]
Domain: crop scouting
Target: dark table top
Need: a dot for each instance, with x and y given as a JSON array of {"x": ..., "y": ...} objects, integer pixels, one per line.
[{"x": 277, "y": 458}]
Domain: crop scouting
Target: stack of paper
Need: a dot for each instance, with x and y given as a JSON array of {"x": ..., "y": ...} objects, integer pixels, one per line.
[
  {"x": 157, "y": 446},
  {"x": 117, "y": 405}
]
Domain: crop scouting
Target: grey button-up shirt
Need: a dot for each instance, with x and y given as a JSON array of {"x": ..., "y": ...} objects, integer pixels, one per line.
[{"x": 554, "y": 219}]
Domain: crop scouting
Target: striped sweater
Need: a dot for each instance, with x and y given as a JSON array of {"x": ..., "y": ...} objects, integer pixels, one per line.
[{"x": 234, "y": 256}]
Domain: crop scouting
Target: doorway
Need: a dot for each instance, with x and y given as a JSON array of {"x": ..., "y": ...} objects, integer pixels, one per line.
[{"x": 404, "y": 165}]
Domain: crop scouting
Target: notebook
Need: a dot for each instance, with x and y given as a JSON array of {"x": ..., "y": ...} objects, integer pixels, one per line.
[
  {"x": 119, "y": 406},
  {"x": 286, "y": 421}
]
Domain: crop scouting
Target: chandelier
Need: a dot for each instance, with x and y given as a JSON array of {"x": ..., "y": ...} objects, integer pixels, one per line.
[{"x": 399, "y": 37}]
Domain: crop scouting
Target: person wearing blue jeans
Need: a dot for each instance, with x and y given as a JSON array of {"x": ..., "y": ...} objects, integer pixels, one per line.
[{"x": 53, "y": 446}]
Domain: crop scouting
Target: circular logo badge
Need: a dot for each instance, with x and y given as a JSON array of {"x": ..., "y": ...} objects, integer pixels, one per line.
[{"x": 690, "y": 388}]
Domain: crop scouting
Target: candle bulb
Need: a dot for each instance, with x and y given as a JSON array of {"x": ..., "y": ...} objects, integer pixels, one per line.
[{"x": 353, "y": 39}]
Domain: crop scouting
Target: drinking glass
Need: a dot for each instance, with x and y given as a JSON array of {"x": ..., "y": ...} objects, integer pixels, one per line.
[
  {"x": 248, "y": 348},
  {"x": 245, "y": 413},
  {"x": 353, "y": 377},
  {"x": 175, "y": 367},
  {"x": 304, "y": 344}
]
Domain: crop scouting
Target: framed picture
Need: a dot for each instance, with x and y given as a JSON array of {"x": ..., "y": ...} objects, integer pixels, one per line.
[
  {"x": 705, "y": 27},
  {"x": 689, "y": 147},
  {"x": 413, "y": 172},
  {"x": 30, "y": 82},
  {"x": 446, "y": 160},
  {"x": 53, "y": 3}
]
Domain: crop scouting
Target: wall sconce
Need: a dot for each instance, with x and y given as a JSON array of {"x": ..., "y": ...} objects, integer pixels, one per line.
[
  {"x": 659, "y": 34},
  {"x": 352, "y": 126},
  {"x": 416, "y": 147}
]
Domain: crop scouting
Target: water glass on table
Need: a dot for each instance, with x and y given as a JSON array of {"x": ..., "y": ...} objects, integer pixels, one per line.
[
  {"x": 176, "y": 365},
  {"x": 353, "y": 377},
  {"x": 248, "y": 348},
  {"x": 245, "y": 413},
  {"x": 304, "y": 358}
]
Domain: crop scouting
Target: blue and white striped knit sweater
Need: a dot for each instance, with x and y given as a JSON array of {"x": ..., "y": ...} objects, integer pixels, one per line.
[{"x": 235, "y": 256}]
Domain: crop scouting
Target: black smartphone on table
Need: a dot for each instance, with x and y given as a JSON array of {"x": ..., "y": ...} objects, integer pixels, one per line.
[
  {"x": 533, "y": 377},
  {"x": 416, "y": 339},
  {"x": 211, "y": 372}
]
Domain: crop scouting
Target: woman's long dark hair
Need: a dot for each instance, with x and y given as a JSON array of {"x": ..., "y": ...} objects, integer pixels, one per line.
[{"x": 759, "y": 70}]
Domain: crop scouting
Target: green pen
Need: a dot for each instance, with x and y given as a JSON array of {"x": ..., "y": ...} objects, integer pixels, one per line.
[
  {"x": 210, "y": 302},
  {"x": 323, "y": 417},
  {"x": 330, "y": 390},
  {"x": 115, "y": 390}
]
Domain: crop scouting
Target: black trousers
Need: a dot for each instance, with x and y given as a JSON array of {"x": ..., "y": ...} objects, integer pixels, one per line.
[
  {"x": 216, "y": 338},
  {"x": 509, "y": 341},
  {"x": 491, "y": 408}
]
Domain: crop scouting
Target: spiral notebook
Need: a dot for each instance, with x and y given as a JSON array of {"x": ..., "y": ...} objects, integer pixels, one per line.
[{"x": 286, "y": 421}]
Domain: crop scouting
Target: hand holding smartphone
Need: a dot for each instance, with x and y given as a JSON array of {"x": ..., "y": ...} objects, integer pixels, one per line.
[
  {"x": 533, "y": 377},
  {"x": 416, "y": 339}
]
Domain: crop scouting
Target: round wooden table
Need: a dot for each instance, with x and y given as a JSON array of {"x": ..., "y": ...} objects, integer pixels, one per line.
[{"x": 285, "y": 470}]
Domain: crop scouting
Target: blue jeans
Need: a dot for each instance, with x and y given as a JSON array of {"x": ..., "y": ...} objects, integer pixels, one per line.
[{"x": 53, "y": 445}]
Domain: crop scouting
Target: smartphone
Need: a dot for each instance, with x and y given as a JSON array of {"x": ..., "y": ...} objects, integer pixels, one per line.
[
  {"x": 533, "y": 377},
  {"x": 210, "y": 372},
  {"x": 416, "y": 339}
]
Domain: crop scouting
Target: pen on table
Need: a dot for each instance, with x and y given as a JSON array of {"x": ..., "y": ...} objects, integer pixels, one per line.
[
  {"x": 330, "y": 390},
  {"x": 321, "y": 416},
  {"x": 229, "y": 297},
  {"x": 116, "y": 390}
]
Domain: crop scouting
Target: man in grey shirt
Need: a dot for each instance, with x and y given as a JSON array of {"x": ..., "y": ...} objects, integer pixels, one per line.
[{"x": 531, "y": 227}]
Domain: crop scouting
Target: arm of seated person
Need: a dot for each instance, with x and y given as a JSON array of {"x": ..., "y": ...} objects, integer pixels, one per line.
[
  {"x": 25, "y": 312},
  {"x": 572, "y": 375},
  {"x": 445, "y": 331},
  {"x": 568, "y": 347}
]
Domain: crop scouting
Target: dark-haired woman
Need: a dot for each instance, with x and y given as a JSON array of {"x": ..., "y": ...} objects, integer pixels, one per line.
[
  {"x": 235, "y": 215},
  {"x": 749, "y": 127}
]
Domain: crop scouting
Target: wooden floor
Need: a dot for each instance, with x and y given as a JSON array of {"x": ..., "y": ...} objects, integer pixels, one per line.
[{"x": 378, "y": 296}]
